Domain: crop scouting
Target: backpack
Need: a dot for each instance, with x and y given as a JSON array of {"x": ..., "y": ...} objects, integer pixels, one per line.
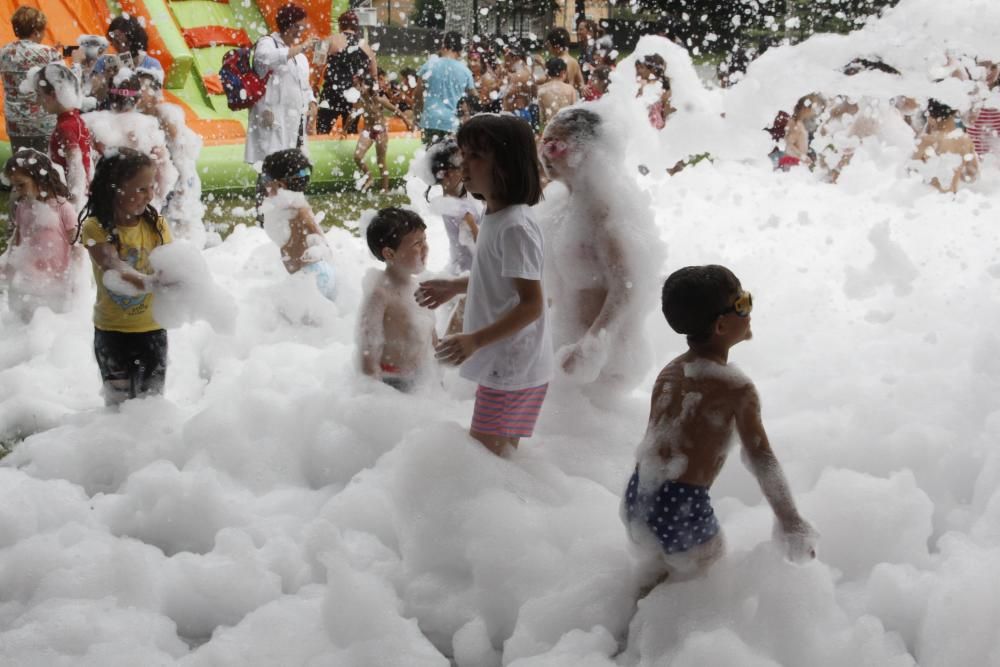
[{"x": 242, "y": 85}]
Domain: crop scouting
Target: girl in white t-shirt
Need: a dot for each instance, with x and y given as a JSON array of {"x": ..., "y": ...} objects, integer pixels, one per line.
[{"x": 505, "y": 345}]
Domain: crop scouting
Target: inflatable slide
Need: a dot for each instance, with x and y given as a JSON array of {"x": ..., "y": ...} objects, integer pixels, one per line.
[{"x": 189, "y": 38}]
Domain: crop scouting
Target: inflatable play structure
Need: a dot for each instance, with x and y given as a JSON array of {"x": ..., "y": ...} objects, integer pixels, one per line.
[{"x": 189, "y": 38}]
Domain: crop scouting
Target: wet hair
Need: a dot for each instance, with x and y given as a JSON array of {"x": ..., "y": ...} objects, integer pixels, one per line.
[
  {"x": 939, "y": 110},
  {"x": 27, "y": 21},
  {"x": 39, "y": 168},
  {"x": 286, "y": 166},
  {"x": 601, "y": 73},
  {"x": 486, "y": 53},
  {"x": 813, "y": 101},
  {"x": 511, "y": 143},
  {"x": 693, "y": 298},
  {"x": 452, "y": 41},
  {"x": 442, "y": 158},
  {"x": 655, "y": 63},
  {"x": 859, "y": 65},
  {"x": 558, "y": 38},
  {"x": 591, "y": 26},
  {"x": 289, "y": 15},
  {"x": 388, "y": 227},
  {"x": 113, "y": 169},
  {"x": 135, "y": 35},
  {"x": 578, "y": 124},
  {"x": 555, "y": 67},
  {"x": 513, "y": 48},
  {"x": 124, "y": 95},
  {"x": 348, "y": 21}
]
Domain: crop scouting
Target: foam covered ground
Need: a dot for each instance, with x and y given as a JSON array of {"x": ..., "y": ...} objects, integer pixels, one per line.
[{"x": 273, "y": 508}]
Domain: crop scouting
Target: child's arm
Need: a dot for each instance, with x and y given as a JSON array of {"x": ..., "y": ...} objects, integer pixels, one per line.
[
  {"x": 470, "y": 221},
  {"x": 106, "y": 257},
  {"x": 591, "y": 346},
  {"x": 388, "y": 105},
  {"x": 371, "y": 333},
  {"x": 456, "y": 349},
  {"x": 760, "y": 459},
  {"x": 433, "y": 293}
]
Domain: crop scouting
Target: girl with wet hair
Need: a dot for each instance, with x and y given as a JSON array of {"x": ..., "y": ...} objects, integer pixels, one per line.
[
  {"x": 120, "y": 228},
  {"x": 38, "y": 259},
  {"x": 605, "y": 255},
  {"x": 652, "y": 69}
]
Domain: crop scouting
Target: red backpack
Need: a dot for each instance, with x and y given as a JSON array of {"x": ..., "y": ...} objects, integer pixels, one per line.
[{"x": 242, "y": 85}]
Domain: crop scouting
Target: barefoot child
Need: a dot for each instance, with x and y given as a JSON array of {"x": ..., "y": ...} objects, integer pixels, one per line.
[
  {"x": 396, "y": 336},
  {"x": 371, "y": 103},
  {"x": 505, "y": 345},
  {"x": 38, "y": 260},
  {"x": 120, "y": 229},
  {"x": 289, "y": 220},
  {"x": 697, "y": 400}
]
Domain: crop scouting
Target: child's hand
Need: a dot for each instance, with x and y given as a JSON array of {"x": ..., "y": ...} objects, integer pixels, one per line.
[
  {"x": 584, "y": 359},
  {"x": 453, "y": 350},
  {"x": 799, "y": 539},
  {"x": 433, "y": 293}
]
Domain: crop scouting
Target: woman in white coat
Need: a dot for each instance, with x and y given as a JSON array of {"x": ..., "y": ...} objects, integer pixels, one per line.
[{"x": 281, "y": 118}]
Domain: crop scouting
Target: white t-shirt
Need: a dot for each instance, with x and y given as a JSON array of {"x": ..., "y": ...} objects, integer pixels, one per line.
[{"x": 509, "y": 246}]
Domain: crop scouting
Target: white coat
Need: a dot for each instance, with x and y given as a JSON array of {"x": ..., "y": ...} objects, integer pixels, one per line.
[{"x": 287, "y": 97}]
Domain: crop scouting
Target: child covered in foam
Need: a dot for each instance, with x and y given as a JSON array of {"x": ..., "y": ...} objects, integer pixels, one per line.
[
  {"x": 396, "y": 336},
  {"x": 289, "y": 220},
  {"x": 697, "y": 400}
]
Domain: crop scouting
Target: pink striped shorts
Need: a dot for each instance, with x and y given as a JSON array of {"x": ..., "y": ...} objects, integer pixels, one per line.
[{"x": 508, "y": 414}]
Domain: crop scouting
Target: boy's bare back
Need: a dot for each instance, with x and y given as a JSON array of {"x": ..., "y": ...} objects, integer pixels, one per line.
[{"x": 695, "y": 404}]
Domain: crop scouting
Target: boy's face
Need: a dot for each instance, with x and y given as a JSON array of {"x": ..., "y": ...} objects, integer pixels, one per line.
[
  {"x": 411, "y": 255},
  {"x": 48, "y": 100},
  {"x": 732, "y": 327}
]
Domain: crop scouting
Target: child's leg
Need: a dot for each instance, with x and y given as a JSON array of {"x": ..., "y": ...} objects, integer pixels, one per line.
[
  {"x": 499, "y": 445},
  {"x": 113, "y": 362},
  {"x": 364, "y": 143},
  {"x": 150, "y": 375},
  {"x": 381, "y": 144}
]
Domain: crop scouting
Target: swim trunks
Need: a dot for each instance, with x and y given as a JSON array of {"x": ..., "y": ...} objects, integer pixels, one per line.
[
  {"x": 508, "y": 414},
  {"x": 323, "y": 274},
  {"x": 679, "y": 515},
  {"x": 395, "y": 378}
]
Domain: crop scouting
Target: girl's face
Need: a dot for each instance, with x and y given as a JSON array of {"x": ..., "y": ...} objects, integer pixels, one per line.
[
  {"x": 149, "y": 97},
  {"x": 451, "y": 179},
  {"x": 475, "y": 65},
  {"x": 118, "y": 40},
  {"x": 135, "y": 194},
  {"x": 643, "y": 73},
  {"x": 23, "y": 186},
  {"x": 477, "y": 172}
]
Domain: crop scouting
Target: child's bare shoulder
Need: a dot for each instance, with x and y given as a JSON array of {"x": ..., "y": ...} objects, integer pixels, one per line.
[{"x": 373, "y": 287}]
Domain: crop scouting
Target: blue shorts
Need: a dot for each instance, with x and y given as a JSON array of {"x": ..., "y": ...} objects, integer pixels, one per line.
[
  {"x": 679, "y": 515},
  {"x": 323, "y": 273}
]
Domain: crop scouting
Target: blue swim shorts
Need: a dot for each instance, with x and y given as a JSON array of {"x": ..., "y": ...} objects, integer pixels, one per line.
[
  {"x": 323, "y": 274},
  {"x": 679, "y": 515}
]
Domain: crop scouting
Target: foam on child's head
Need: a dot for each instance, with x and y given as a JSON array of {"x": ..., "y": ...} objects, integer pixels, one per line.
[
  {"x": 388, "y": 227},
  {"x": 693, "y": 297},
  {"x": 54, "y": 79}
]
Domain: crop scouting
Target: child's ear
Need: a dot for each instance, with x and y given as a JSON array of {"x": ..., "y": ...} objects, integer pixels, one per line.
[{"x": 388, "y": 254}]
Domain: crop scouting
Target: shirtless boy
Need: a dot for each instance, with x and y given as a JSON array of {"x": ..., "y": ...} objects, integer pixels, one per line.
[
  {"x": 396, "y": 338},
  {"x": 697, "y": 400},
  {"x": 557, "y": 43},
  {"x": 946, "y": 142},
  {"x": 518, "y": 84},
  {"x": 555, "y": 93}
]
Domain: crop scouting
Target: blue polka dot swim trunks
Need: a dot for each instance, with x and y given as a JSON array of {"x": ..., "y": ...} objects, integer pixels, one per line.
[{"x": 679, "y": 515}]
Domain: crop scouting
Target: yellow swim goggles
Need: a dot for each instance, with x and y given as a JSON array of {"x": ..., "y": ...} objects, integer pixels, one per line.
[{"x": 742, "y": 306}]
